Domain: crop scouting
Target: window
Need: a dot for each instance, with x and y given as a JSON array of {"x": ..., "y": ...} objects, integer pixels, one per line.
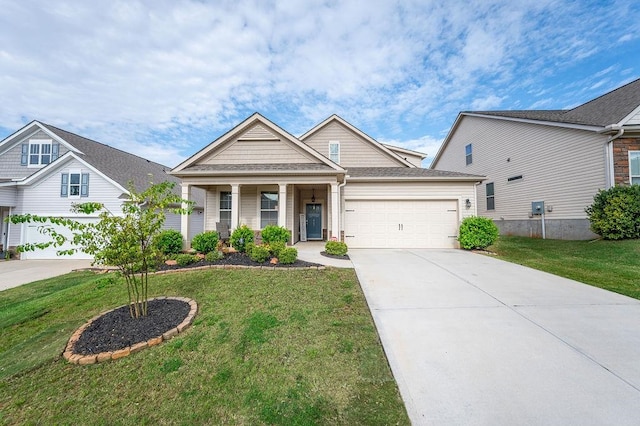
[
  {"x": 491, "y": 199},
  {"x": 634, "y": 167},
  {"x": 225, "y": 208},
  {"x": 468, "y": 152},
  {"x": 74, "y": 184},
  {"x": 39, "y": 153},
  {"x": 268, "y": 209},
  {"x": 334, "y": 151}
]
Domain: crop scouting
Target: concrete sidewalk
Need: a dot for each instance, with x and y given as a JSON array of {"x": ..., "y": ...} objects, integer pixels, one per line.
[
  {"x": 17, "y": 272},
  {"x": 477, "y": 341},
  {"x": 310, "y": 252}
]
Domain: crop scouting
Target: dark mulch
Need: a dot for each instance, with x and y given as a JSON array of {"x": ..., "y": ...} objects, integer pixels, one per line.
[
  {"x": 334, "y": 256},
  {"x": 238, "y": 259},
  {"x": 117, "y": 330}
]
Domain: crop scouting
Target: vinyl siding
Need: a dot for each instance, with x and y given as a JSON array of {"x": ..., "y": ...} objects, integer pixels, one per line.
[
  {"x": 43, "y": 198},
  {"x": 10, "y": 160},
  {"x": 634, "y": 121},
  {"x": 249, "y": 205},
  {"x": 354, "y": 150},
  {"x": 261, "y": 149},
  {"x": 8, "y": 196},
  {"x": 563, "y": 167}
]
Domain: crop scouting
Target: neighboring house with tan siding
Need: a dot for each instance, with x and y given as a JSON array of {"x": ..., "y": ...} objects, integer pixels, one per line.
[
  {"x": 561, "y": 157},
  {"x": 334, "y": 181},
  {"x": 44, "y": 170}
]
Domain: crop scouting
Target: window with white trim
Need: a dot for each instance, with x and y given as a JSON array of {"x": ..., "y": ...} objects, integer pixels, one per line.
[
  {"x": 225, "y": 207},
  {"x": 634, "y": 167},
  {"x": 468, "y": 154},
  {"x": 74, "y": 184},
  {"x": 40, "y": 152},
  {"x": 268, "y": 208},
  {"x": 491, "y": 197},
  {"x": 334, "y": 151}
]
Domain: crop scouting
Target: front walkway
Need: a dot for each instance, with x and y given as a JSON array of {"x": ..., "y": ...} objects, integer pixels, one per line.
[
  {"x": 473, "y": 340},
  {"x": 310, "y": 251}
]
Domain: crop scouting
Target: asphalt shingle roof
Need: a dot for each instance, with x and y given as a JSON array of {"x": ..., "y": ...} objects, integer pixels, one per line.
[
  {"x": 121, "y": 166},
  {"x": 118, "y": 165},
  {"x": 610, "y": 108},
  {"x": 406, "y": 172},
  {"x": 276, "y": 167}
]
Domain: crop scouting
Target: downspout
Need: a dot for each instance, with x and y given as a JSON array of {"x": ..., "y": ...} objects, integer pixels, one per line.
[
  {"x": 341, "y": 226},
  {"x": 611, "y": 181},
  {"x": 6, "y": 248}
]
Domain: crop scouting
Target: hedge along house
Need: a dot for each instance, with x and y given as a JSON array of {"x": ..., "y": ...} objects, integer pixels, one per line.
[
  {"x": 44, "y": 170},
  {"x": 332, "y": 182},
  {"x": 561, "y": 157}
]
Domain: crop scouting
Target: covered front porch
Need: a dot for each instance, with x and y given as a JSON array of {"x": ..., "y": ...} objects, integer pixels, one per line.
[{"x": 309, "y": 207}]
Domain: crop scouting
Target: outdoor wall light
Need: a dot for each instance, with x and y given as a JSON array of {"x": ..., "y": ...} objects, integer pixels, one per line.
[
  {"x": 467, "y": 203},
  {"x": 313, "y": 196}
]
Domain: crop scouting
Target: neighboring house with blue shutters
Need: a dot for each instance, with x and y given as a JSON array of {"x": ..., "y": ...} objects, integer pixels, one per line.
[{"x": 44, "y": 170}]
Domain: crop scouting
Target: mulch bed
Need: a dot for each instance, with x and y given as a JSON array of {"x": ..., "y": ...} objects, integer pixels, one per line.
[
  {"x": 116, "y": 330},
  {"x": 238, "y": 259},
  {"x": 333, "y": 256}
]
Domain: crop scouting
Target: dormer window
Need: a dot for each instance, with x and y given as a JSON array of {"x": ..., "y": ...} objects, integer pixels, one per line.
[
  {"x": 334, "y": 151},
  {"x": 38, "y": 152}
]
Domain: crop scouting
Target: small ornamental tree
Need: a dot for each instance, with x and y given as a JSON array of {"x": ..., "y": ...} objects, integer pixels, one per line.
[
  {"x": 125, "y": 241},
  {"x": 615, "y": 213},
  {"x": 477, "y": 232}
]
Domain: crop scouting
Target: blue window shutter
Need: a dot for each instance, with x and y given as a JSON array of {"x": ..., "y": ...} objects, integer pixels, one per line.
[
  {"x": 84, "y": 185},
  {"x": 24, "y": 157},
  {"x": 64, "y": 185},
  {"x": 55, "y": 149}
]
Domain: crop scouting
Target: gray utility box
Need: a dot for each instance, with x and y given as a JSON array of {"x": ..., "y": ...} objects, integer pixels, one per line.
[{"x": 537, "y": 207}]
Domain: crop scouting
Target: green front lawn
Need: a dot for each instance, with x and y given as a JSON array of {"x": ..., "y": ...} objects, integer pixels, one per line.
[
  {"x": 267, "y": 347},
  {"x": 612, "y": 265}
]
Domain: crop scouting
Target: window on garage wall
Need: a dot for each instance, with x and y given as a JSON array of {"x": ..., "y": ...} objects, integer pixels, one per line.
[{"x": 491, "y": 197}]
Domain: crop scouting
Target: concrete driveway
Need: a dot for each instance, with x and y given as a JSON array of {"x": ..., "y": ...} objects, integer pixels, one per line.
[
  {"x": 17, "y": 272},
  {"x": 473, "y": 340}
]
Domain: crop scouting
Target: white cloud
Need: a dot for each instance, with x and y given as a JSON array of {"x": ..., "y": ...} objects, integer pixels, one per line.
[{"x": 156, "y": 77}]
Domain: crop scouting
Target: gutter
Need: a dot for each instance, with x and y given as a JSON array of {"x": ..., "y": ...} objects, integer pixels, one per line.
[{"x": 611, "y": 182}]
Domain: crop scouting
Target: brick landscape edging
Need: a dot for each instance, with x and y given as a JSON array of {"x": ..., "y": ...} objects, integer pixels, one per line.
[{"x": 74, "y": 358}]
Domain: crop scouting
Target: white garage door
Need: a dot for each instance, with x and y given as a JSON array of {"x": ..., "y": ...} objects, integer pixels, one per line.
[
  {"x": 401, "y": 223},
  {"x": 33, "y": 235}
]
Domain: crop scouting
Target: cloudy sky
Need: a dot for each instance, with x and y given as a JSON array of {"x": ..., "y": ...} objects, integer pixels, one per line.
[{"x": 163, "y": 78}]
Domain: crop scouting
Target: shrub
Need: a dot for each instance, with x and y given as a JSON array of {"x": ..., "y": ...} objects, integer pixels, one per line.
[
  {"x": 240, "y": 237},
  {"x": 477, "y": 232},
  {"x": 276, "y": 247},
  {"x": 185, "y": 259},
  {"x": 213, "y": 256},
  {"x": 336, "y": 248},
  {"x": 274, "y": 233},
  {"x": 205, "y": 242},
  {"x": 615, "y": 213},
  {"x": 169, "y": 241},
  {"x": 288, "y": 255},
  {"x": 259, "y": 254}
]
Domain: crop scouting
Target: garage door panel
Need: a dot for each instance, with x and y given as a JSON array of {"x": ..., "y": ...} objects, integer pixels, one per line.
[
  {"x": 401, "y": 223},
  {"x": 33, "y": 235}
]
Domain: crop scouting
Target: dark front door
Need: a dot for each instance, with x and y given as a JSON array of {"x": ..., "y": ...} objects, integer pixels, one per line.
[{"x": 314, "y": 221}]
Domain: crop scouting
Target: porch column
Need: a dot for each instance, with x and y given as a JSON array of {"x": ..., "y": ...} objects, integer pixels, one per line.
[
  {"x": 335, "y": 211},
  {"x": 282, "y": 205},
  {"x": 184, "y": 218},
  {"x": 235, "y": 205}
]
